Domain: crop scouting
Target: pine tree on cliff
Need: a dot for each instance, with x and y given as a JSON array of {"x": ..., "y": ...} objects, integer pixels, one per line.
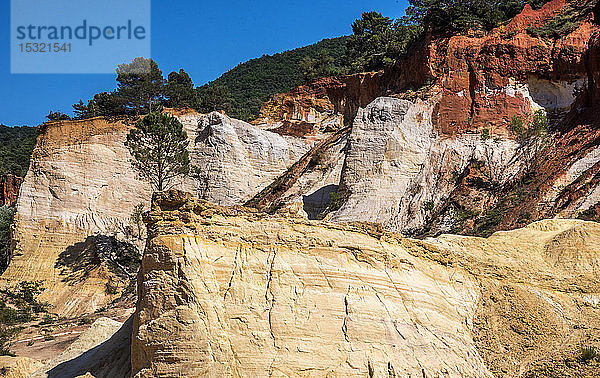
[
  {"x": 377, "y": 41},
  {"x": 214, "y": 97},
  {"x": 180, "y": 92},
  {"x": 158, "y": 145},
  {"x": 140, "y": 85}
]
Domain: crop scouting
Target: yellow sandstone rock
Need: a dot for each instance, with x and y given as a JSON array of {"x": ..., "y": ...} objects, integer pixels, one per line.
[
  {"x": 226, "y": 291},
  {"x": 17, "y": 367}
]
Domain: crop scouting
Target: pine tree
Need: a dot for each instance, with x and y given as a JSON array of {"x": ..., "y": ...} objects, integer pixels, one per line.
[
  {"x": 140, "y": 86},
  {"x": 179, "y": 91},
  {"x": 158, "y": 145}
]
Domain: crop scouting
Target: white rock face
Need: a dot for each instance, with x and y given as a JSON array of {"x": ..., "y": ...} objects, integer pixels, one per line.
[
  {"x": 81, "y": 183},
  {"x": 396, "y": 162},
  {"x": 237, "y": 160},
  {"x": 557, "y": 96}
]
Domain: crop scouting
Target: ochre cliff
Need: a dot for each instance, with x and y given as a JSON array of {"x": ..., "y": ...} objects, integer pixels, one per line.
[
  {"x": 78, "y": 186},
  {"x": 74, "y": 211},
  {"x": 230, "y": 291},
  {"x": 435, "y": 151},
  {"x": 9, "y": 189}
]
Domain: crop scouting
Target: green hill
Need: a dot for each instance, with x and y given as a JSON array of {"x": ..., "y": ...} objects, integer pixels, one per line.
[{"x": 251, "y": 83}]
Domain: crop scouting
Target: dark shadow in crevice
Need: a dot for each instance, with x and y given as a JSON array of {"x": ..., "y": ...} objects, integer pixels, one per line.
[
  {"x": 76, "y": 262},
  {"x": 315, "y": 203}
]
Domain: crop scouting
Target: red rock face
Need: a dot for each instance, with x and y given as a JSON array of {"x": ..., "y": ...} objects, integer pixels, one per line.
[
  {"x": 476, "y": 78},
  {"x": 303, "y": 107},
  {"x": 9, "y": 185}
]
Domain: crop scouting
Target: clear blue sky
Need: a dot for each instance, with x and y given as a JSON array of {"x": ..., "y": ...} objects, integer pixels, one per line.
[{"x": 205, "y": 38}]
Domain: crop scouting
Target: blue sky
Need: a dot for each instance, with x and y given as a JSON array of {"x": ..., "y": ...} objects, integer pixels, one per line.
[{"x": 205, "y": 38}]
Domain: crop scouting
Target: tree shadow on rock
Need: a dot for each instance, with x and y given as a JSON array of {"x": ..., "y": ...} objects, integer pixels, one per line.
[{"x": 79, "y": 260}]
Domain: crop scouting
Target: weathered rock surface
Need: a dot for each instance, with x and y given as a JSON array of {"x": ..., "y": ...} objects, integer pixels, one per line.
[
  {"x": 78, "y": 185},
  {"x": 81, "y": 186},
  {"x": 9, "y": 189},
  {"x": 236, "y": 159},
  {"x": 306, "y": 187},
  {"x": 17, "y": 367},
  {"x": 396, "y": 162},
  {"x": 325, "y": 104},
  {"x": 229, "y": 291},
  {"x": 442, "y": 156}
]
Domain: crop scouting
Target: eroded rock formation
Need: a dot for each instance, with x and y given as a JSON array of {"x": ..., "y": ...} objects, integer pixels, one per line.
[
  {"x": 439, "y": 152},
  {"x": 9, "y": 189},
  {"x": 229, "y": 291},
  {"x": 81, "y": 189},
  {"x": 321, "y": 105}
]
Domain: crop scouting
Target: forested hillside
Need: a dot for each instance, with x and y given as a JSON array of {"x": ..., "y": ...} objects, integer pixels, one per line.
[
  {"x": 16, "y": 144},
  {"x": 249, "y": 84}
]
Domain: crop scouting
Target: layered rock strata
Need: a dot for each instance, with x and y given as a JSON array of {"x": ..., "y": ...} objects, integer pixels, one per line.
[
  {"x": 229, "y": 291},
  {"x": 80, "y": 186}
]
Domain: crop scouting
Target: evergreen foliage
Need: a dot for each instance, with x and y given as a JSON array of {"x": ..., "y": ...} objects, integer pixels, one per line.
[
  {"x": 460, "y": 15},
  {"x": 16, "y": 145},
  {"x": 57, "y": 116},
  {"x": 377, "y": 41},
  {"x": 158, "y": 145},
  {"x": 6, "y": 218},
  {"x": 179, "y": 91},
  {"x": 251, "y": 83}
]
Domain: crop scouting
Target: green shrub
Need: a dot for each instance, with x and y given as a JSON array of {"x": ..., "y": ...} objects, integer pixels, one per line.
[
  {"x": 84, "y": 321},
  {"x": 7, "y": 334},
  {"x": 517, "y": 125},
  {"x": 539, "y": 124},
  {"x": 461, "y": 214},
  {"x": 28, "y": 291},
  {"x": 47, "y": 319},
  {"x": 428, "y": 206},
  {"x": 338, "y": 199},
  {"x": 485, "y": 134},
  {"x": 587, "y": 353},
  {"x": 565, "y": 22}
]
